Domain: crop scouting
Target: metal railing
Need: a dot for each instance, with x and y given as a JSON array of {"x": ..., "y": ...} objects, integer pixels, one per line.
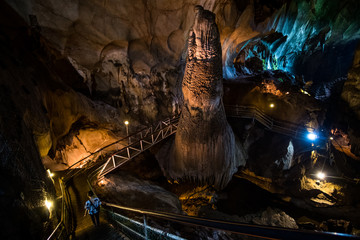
[
  {"x": 141, "y": 230},
  {"x": 157, "y": 133},
  {"x": 240, "y": 229},
  {"x": 66, "y": 222},
  {"x": 145, "y": 140},
  {"x": 142, "y": 140},
  {"x": 283, "y": 127}
]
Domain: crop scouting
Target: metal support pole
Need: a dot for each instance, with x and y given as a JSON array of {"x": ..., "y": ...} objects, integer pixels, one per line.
[{"x": 145, "y": 228}]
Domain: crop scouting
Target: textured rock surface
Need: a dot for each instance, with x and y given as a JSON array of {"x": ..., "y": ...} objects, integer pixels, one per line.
[
  {"x": 205, "y": 147},
  {"x": 270, "y": 217},
  {"x": 128, "y": 54},
  {"x": 351, "y": 95},
  {"x": 127, "y": 190},
  {"x": 131, "y": 55}
]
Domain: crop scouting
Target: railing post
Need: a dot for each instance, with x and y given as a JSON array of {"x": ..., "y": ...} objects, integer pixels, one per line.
[
  {"x": 128, "y": 152},
  {"x": 145, "y": 228}
]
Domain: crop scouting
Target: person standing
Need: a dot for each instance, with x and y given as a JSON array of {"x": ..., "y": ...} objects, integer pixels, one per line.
[{"x": 92, "y": 206}]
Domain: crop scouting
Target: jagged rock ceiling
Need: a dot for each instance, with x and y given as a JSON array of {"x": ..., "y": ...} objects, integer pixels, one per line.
[
  {"x": 119, "y": 39},
  {"x": 129, "y": 59}
]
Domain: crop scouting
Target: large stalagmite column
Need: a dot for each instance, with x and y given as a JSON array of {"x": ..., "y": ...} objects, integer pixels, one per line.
[{"x": 204, "y": 143}]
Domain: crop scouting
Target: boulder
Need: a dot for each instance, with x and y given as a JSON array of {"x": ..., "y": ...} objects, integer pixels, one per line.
[
  {"x": 271, "y": 217},
  {"x": 127, "y": 190}
]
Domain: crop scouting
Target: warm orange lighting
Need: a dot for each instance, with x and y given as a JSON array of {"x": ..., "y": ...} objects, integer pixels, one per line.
[
  {"x": 48, "y": 204},
  {"x": 126, "y": 122},
  {"x": 272, "y": 105}
]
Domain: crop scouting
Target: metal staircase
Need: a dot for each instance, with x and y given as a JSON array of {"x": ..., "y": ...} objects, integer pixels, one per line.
[
  {"x": 140, "y": 142},
  {"x": 98, "y": 164},
  {"x": 148, "y": 137}
]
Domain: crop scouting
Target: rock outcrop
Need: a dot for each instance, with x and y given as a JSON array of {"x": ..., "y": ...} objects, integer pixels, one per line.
[
  {"x": 205, "y": 148},
  {"x": 351, "y": 96},
  {"x": 127, "y": 190}
]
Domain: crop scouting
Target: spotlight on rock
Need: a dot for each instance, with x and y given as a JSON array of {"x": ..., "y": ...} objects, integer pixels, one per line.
[
  {"x": 321, "y": 175},
  {"x": 48, "y": 204},
  {"x": 312, "y": 136}
]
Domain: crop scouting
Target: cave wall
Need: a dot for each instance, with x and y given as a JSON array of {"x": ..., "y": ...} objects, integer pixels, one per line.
[
  {"x": 131, "y": 55},
  {"x": 24, "y": 182},
  {"x": 121, "y": 60},
  {"x": 313, "y": 40},
  {"x": 350, "y": 96}
]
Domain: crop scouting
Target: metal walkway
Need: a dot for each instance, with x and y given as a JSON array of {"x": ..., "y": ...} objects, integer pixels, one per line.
[
  {"x": 140, "y": 142},
  {"x": 98, "y": 164},
  {"x": 283, "y": 127},
  {"x": 146, "y": 138}
]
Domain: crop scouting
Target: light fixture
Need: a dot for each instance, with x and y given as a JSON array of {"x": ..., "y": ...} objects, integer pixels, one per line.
[
  {"x": 102, "y": 182},
  {"x": 312, "y": 136},
  {"x": 321, "y": 175},
  {"x": 331, "y": 138},
  {"x": 272, "y": 105},
  {"x": 50, "y": 173},
  {"x": 127, "y": 127},
  {"x": 48, "y": 204}
]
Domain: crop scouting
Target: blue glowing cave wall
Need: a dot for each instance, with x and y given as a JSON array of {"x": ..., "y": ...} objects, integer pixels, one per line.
[
  {"x": 322, "y": 32},
  {"x": 312, "y": 39}
]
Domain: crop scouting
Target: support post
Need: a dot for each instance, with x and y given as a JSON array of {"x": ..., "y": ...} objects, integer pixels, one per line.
[{"x": 145, "y": 228}]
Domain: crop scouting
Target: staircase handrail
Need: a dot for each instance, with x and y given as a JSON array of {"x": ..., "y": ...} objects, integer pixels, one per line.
[
  {"x": 172, "y": 125},
  {"x": 237, "y": 227},
  {"x": 250, "y": 110},
  {"x": 86, "y": 161},
  {"x": 282, "y": 126}
]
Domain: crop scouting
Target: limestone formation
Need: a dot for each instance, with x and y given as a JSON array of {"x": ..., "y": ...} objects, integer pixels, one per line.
[
  {"x": 350, "y": 94},
  {"x": 204, "y": 144}
]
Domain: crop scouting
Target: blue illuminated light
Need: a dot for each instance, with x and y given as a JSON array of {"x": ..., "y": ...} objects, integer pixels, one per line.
[{"x": 312, "y": 136}]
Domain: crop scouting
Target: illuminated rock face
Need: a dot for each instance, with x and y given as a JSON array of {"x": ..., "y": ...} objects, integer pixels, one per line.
[{"x": 204, "y": 143}]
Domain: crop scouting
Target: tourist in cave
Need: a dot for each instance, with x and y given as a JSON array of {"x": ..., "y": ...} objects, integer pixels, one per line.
[{"x": 92, "y": 206}]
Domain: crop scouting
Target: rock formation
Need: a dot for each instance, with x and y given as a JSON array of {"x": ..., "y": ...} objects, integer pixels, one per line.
[
  {"x": 204, "y": 144},
  {"x": 128, "y": 190},
  {"x": 350, "y": 94}
]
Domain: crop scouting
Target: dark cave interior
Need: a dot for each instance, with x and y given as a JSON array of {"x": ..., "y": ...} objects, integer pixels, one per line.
[{"x": 241, "y": 84}]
